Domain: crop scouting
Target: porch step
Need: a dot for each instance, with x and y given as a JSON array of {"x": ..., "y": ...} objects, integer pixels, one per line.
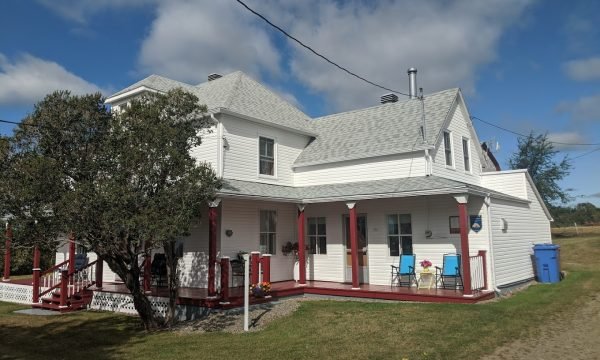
[{"x": 78, "y": 301}]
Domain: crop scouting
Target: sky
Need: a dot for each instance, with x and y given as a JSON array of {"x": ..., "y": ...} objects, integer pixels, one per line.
[{"x": 524, "y": 65}]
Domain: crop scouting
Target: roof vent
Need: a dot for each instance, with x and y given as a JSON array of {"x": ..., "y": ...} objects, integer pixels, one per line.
[
  {"x": 412, "y": 83},
  {"x": 389, "y": 98},
  {"x": 214, "y": 76}
]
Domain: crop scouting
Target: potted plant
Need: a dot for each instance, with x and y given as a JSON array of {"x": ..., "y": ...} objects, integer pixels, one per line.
[
  {"x": 425, "y": 264},
  {"x": 261, "y": 289}
]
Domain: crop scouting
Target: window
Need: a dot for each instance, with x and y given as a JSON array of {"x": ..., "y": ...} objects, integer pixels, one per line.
[
  {"x": 466, "y": 155},
  {"x": 266, "y": 154},
  {"x": 454, "y": 225},
  {"x": 400, "y": 234},
  {"x": 448, "y": 148},
  {"x": 268, "y": 231},
  {"x": 317, "y": 235}
]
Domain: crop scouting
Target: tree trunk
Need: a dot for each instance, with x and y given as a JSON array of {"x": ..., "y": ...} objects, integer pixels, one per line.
[{"x": 173, "y": 282}]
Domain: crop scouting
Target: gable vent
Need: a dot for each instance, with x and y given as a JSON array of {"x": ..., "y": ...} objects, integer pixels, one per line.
[
  {"x": 214, "y": 76},
  {"x": 389, "y": 98}
]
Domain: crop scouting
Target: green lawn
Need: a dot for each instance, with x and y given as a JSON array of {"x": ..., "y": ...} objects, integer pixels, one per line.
[{"x": 321, "y": 329}]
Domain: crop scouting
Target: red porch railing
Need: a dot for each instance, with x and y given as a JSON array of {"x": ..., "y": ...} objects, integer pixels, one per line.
[{"x": 478, "y": 271}]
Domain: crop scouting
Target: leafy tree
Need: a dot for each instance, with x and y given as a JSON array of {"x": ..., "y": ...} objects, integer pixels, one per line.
[
  {"x": 537, "y": 154},
  {"x": 121, "y": 182}
]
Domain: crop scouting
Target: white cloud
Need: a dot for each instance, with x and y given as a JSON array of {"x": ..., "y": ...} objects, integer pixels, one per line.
[
  {"x": 80, "y": 10},
  {"x": 583, "y": 69},
  {"x": 189, "y": 40},
  {"x": 28, "y": 79},
  {"x": 565, "y": 138},
  {"x": 586, "y": 109}
]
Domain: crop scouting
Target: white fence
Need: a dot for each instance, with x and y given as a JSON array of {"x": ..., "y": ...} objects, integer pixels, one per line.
[{"x": 477, "y": 272}]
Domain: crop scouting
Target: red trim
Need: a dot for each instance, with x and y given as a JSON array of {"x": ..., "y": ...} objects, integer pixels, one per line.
[
  {"x": 212, "y": 249},
  {"x": 301, "y": 248},
  {"x": 464, "y": 246},
  {"x": 64, "y": 281},
  {"x": 36, "y": 275},
  {"x": 266, "y": 268},
  {"x": 254, "y": 267},
  {"x": 99, "y": 268},
  {"x": 225, "y": 279},
  {"x": 9, "y": 237},
  {"x": 354, "y": 247},
  {"x": 483, "y": 255},
  {"x": 71, "y": 253}
]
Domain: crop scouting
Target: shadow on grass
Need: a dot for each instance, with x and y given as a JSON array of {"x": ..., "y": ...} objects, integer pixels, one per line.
[{"x": 90, "y": 335}]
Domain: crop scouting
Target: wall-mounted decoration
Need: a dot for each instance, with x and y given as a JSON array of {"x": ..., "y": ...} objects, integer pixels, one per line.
[
  {"x": 428, "y": 233},
  {"x": 228, "y": 232},
  {"x": 476, "y": 223},
  {"x": 504, "y": 225}
]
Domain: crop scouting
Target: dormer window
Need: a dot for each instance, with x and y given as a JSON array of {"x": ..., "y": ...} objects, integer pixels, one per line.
[
  {"x": 448, "y": 148},
  {"x": 266, "y": 155}
]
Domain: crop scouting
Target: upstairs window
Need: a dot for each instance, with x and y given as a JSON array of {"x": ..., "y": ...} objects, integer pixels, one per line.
[
  {"x": 268, "y": 231},
  {"x": 266, "y": 155},
  {"x": 400, "y": 234},
  {"x": 466, "y": 154},
  {"x": 317, "y": 235},
  {"x": 448, "y": 148}
]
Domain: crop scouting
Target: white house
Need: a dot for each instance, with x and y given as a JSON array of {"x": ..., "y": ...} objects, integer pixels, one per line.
[{"x": 411, "y": 175}]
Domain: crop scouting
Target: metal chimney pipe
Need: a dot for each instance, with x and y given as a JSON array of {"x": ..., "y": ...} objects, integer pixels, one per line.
[{"x": 412, "y": 83}]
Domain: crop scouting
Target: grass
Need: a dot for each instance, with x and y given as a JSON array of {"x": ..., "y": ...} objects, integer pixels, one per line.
[{"x": 322, "y": 329}]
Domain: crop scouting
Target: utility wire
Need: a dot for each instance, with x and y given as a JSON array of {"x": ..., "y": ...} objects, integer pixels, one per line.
[
  {"x": 584, "y": 154},
  {"x": 319, "y": 54}
]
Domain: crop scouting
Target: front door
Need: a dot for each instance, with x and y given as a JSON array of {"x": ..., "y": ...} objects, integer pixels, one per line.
[{"x": 363, "y": 258}]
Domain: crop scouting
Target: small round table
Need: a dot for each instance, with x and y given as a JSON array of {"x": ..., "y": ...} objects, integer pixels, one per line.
[{"x": 426, "y": 279}]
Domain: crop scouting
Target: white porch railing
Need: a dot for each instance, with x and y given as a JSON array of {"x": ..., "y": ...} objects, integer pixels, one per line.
[{"x": 478, "y": 271}]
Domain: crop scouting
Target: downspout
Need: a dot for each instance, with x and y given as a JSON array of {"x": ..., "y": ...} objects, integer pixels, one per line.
[
  {"x": 220, "y": 151},
  {"x": 488, "y": 202}
]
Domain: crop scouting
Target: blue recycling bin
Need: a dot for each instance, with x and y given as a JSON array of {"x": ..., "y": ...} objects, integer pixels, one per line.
[{"x": 547, "y": 262}]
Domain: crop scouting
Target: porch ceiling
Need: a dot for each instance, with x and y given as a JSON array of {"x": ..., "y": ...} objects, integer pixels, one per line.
[{"x": 363, "y": 190}]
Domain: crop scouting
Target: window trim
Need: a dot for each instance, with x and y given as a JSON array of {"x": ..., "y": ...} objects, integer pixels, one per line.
[
  {"x": 400, "y": 235},
  {"x": 452, "y": 230},
  {"x": 317, "y": 236},
  {"x": 451, "y": 149},
  {"x": 467, "y": 157},
  {"x": 267, "y": 176},
  {"x": 261, "y": 232}
]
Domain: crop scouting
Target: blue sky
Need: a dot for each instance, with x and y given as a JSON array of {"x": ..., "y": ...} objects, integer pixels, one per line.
[{"x": 524, "y": 65}]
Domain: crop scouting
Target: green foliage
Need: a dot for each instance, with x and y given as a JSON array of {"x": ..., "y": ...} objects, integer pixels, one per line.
[
  {"x": 537, "y": 154},
  {"x": 121, "y": 182}
]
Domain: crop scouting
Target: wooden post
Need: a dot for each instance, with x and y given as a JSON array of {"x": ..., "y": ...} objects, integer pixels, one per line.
[
  {"x": 99, "y": 268},
  {"x": 254, "y": 267},
  {"x": 7, "y": 245},
  {"x": 463, "y": 220},
  {"x": 71, "y": 253},
  {"x": 266, "y": 267},
  {"x": 301, "y": 246},
  {"x": 64, "y": 289},
  {"x": 36, "y": 275},
  {"x": 483, "y": 255},
  {"x": 212, "y": 244},
  {"x": 354, "y": 245},
  {"x": 225, "y": 280}
]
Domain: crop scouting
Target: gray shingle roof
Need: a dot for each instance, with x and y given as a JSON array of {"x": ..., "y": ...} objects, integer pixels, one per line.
[
  {"x": 413, "y": 186},
  {"x": 236, "y": 92},
  {"x": 385, "y": 129}
]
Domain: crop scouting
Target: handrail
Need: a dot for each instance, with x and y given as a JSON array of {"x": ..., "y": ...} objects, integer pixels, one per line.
[
  {"x": 50, "y": 289},
  {"x": 85, "y": 267},
  {"x": 54, "y": 268}
]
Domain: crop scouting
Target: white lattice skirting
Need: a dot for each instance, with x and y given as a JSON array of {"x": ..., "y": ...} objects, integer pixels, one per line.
[
  {"x": 123, "y": 303},
  {"x": 14, "y": 293}
]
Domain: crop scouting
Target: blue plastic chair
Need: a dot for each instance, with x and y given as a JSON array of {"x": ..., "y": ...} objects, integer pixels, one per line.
[
  {"x": 449, "y": 274},
  {"x": 406, "y": 267}
]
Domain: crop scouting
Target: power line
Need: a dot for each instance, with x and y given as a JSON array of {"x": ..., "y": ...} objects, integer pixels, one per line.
[
  {"x": 587, "y": 153},
  {"x": 16, "y": 123},
  {"x": 319, "y": 54},
  {"x": 523, "y": 135}
]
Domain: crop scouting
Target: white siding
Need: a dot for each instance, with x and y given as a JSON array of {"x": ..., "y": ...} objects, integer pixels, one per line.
[
  {"x": 242, "y": 217},
  {"x": 193, "y": 267},
  {"x": 527, "y": 225},
  {"x": 511, "y": 183},
  {"x": 207, "y": 151},
  {"x": 459, "y": 127},
  {"x": 241, "y": 154},
  {"x": 383, "y": 167}
]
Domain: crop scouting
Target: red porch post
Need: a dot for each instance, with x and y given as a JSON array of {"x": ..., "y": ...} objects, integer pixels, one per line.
[
  {"x": 266, "y": 267},
  {"x": 147, "y": 268},
  {"x": 254, "y": 267},
  {"x": 463, "y": 219},
  {"x": 64, "y": 290},
  {"x": 7, "y": 246},
  {"x": 225, "y": 280},
  {"x": 99, "y": 268},
  {"x": 71, "y": 253},
  {"x": 212, "y": 244},
  {"x": 301, "y": 246},
  {"x": 483, "y": 255},
  {"x": 354, "y": 244},
  {"x": 36, "y": 275}
]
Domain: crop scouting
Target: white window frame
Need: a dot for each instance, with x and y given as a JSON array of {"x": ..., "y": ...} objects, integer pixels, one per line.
[
  {"x": 467, "y": 157},
  {"x": 268, "y": 176},
  {"x": 400, "y": 235},
  {"x": 270, "y": 245},
  {"x": 451, "y": 145},
  {"x": 317, "y": 237}
]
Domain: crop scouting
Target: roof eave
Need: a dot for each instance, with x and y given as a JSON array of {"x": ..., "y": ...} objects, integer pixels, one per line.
[
  {"x": 263, "y": 122},
  {"x": 136, "y": 91}
]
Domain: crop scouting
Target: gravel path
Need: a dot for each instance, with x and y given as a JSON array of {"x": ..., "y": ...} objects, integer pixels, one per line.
[{"x": 575, "y": 337}]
